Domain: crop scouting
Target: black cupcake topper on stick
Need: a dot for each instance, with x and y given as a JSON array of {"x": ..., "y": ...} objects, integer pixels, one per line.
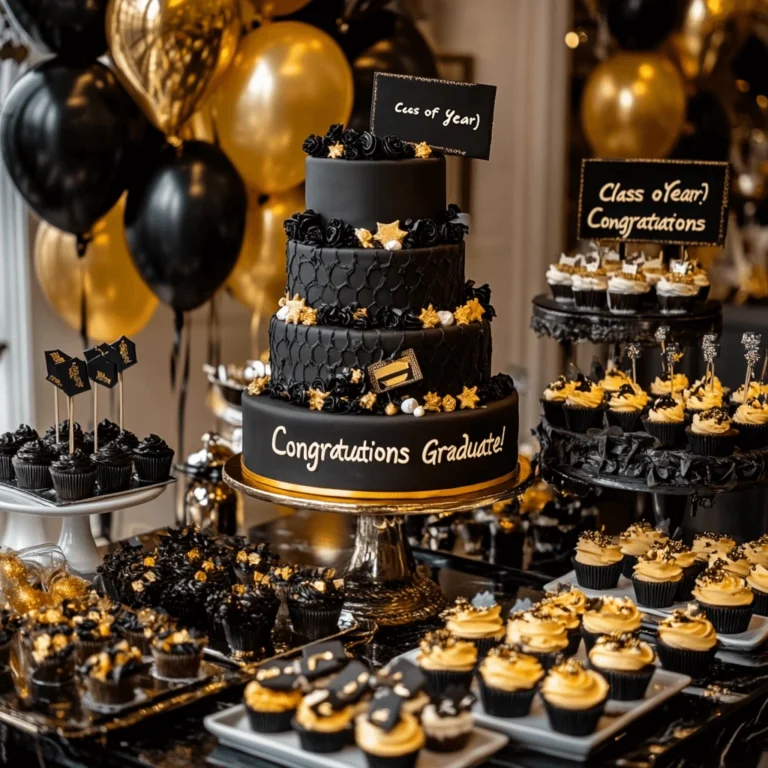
[
  {"x": 751, "y": 342},
  {"x": 53, "y": 360},
  {"x": 75, "y": 382},
  {"x": 101, "y": 371},
  {"x": 123, "y": 354}
]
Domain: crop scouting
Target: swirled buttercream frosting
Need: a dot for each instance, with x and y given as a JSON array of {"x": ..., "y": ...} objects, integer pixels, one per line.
[
  {"x": 667, "y": 410},
  {"x": 570, "y": 686},
  {"x": 657, "y": 566},
  {"x": 757, "y": 578},
  {"x": 688, "y": 630},
  {"x": 406, "y": 737},
  {"x": 718, "y": 587},
  {"x": 442, "y": 650},
  {"x": 466, "y": 621},
  {"x": 714, "y": 422},
  {"x": 507, "y": 669},
  {"x": 595, "y": 548},
  {"x": 535, "y": 632},
  {"x": 639, "y": 538},
  {"x": 621, "y": 652},
  {"x": 611, "y": 614}
]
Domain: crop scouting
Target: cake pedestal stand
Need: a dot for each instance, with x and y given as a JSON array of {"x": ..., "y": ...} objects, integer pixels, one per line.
[
  {"x": 382, "y": 583},
  {"x": 24, "y": 522}
]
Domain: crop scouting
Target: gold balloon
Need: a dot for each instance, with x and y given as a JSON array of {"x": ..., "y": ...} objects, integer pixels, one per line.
[
  {"x": 633, "y": 106},
  {"x": 269, "y": 8},
  {"x": 288, "y": 80},
  {"x": 199, "y": 127},
  {"x": 168, "y": 53},
  {"x": 117, "y": 300}
]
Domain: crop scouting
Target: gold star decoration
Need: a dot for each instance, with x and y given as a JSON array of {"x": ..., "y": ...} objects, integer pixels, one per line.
[
  {"x": 391, "y": 409},
  {"x": 296, "y": 307},
  {"x": 423, "y": 150},
  {"x": 258, "y": 385},
  {"x": 356, "y": 375},
  {"x": 336, "y": 150},
  {"x": 360, "y": 313},
  {"x": 317, "y": 399},
  {"x": 309, "y": 316},
  {"x": 433, "y": 402},
  {"x": 364, "y": 237},
  {"x": 429, "y": 317},
  {"x": 368, "y": 400},
  {"x": 449, "y": 403},
  {"x": 386, "y": 233},
  {"x": 468, "y": 398},
  {"x": 470, "y": 312}
]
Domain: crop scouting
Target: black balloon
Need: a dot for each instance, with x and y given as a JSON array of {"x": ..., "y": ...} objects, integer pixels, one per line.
[
  {"x": 641, "y": 25},
  {"x": 74, "y": 29},
  {"x": 184, "y": 222},
  {"x": 71, "y": 141},
  {"x": 706, "y": 134}
]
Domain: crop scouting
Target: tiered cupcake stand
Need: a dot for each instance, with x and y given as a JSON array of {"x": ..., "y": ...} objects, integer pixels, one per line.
[{"x": 382, "y": 584}]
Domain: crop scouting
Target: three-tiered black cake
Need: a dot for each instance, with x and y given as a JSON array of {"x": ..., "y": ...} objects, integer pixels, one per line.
[{"x": 380, "y": 378}]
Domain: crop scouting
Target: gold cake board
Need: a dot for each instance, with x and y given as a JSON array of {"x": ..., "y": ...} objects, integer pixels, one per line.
[{"x": 382, "y": 583}]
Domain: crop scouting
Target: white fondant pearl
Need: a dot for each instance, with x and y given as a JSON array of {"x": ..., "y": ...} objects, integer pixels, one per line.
[
  {"x": 409, "y": 405},
  {"x": 394, "y": 245},
  {"x": 256, "y": 369},
  {"x": 268, "y": 369},
  {"x": 446, "y": 317},
  {"x": 282, "y": 313},
  {"x": 418, "y": 412}
]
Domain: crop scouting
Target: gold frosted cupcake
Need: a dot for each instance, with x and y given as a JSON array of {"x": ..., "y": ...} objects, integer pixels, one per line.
[
  {"x": 597, "y": 561},
  {"x": 446, "y": 661},
  {"x": 711, "y": 433},
  {"x": 481, "y": 625},
  {"x": 553, "y": 400},
  {"x": 757, "y": 551},
  {"x": 538, "y": 634},
  {"x": 637, "y": 540},
  {"x": 655, "y": 578},
  {"x": 568, "y": 596},
  {"x": 565, "y": 615},
  {"x": 626, "y": 663},
  {"x": 626, "y": 406},
  {"x": 704, "y": 544},
  {"x": 726, "y": 599},
  {"x": 666, "y": 421},
  {"x": 687, "y": 642},
  {"x": 734, "y": 561},
  {"x": 605, "y": 615},
  {"x": 685, "y": 557},
  {"x": 508, "y": 681},
  {"x": 584, "y": 407},
  {"x": 614, "y": 380},
  {"x": 388, "y": 736},
  {"x": 757, "y": 581},
  {"x": 661, "y": 387},
  {"x": 574, "y": 698},
  {"x": 751, "y": 420}
]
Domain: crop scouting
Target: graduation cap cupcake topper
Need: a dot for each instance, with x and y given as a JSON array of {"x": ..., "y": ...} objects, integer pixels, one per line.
[
  {"x": 54, "y": 358},
  {"x": 384, "y": 711},
  {"x": 101, "y": 371},
  {"x": 123, "y": 354},
  {"x": 70, "y": 375},
  {"x": 278, "y": 675}
]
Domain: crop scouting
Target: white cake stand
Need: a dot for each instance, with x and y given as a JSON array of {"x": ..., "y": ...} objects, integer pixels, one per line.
[{"x": 24, "y": 524}]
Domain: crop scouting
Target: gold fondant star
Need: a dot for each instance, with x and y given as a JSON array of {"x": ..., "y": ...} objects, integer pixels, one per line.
[
  {"x": 433, "y": 402},
  {"x": 391, "y": 409},
  {"x": 386, "y": 233},
  {"x": 356, "y": 375},
  {"x": 296, "y": 307},
  {"x": 317, "y": 399},
  {"x": 423, "y": 149},
  {"x": 360, "y": 313},
  {"x": 462, "y": 315},
  {"x": 258, "y": 385},
  {"x": 368, "y": 400},
  {"x": 429, "y": 317},
  {"x": 470, "y": 312},
  {"x": 468, "y": 398},
  {"x": 449, "y": 403},
  {"x": 336, "y": 150},
  {"x": 309, "y": 316},
  {"x": 365, "y": 237}
]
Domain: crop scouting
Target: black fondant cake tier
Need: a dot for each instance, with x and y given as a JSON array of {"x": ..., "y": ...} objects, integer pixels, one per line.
[
  {"x": 296, "y": 449},
  {"x": 450, "y": 358},
  {"x": 375, "y": 277},
  {"x": 364, "y": 192}
]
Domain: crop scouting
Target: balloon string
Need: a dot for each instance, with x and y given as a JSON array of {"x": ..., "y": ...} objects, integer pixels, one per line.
[
  {"x": 181, "y": 412},
  {"x": 214, "y": 333},
  {"x": 82, "y": 247},
  {"x": 178, "y": 327}
]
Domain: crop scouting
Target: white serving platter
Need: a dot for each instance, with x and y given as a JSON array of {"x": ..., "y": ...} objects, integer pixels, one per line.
[
  {"x": 753, "y": 638},
  {"x": 232, "y": 729}
]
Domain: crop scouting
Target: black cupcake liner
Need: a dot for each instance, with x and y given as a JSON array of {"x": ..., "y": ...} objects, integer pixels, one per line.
[
  {"x": 626, "y": 686},
  {"x": 712, "y": 445},
  {"x": 249, "y": 639},
  {"x": 177, "y": 666},
  {"x": 321, "y": 743},
  {"x": 561, "y": 293},
  {"x": 35, "y": 477},
  {"x": 687, "y": 583},
  {"x": 445, "y": 745},
  {"x": 574, "y": 722},
  {"x": 590, "y": 638},
  {"x": 760, "y": 603},
  {"x": 752, "y": 437},
  {"x": 498, "y": 703},
  {"x": 553, "y": 412},
  {"x": 313, "y": 623},
  {"x": 695, "y": 664},
  {"x": 137, "y": 639},
  {"x": 440, "y": 680},
  {"x": 628, "y": 421},
  {"x": 6, "y": 468},
  {"x": 574, "y": 641},
  {"x": 54, "y": 671},
  {"x": 728, "y": 619},
  {"x": 548, "y": 660},
  {"x": 676, "y": 305},
  {"x": 703, "y": 292},
  {"x": 397, "y": 761},
  {"x": 579, "y": 419},
  {"x": 270, "y": 722},
  {"x": 73, "y": 486},
  {"x": 625, "y": 303},
  {"x": 153, "y": 468},
  {"x": 84, "y": 649},
  {"x": 597, "y": 576},
  {"x": 112, "y": 479},
  {"x": 483, "y": 644},
  {"x": 590, "y": 299},
  {"x": 669, "y": 434},
  {"x": 111, "y": 691},
  {"x": 628, "y": 565},
  {"x": 655, "y": 594}
]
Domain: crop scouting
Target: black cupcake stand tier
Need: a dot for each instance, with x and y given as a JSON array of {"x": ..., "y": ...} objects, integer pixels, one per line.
[{"x": 382, "y": 584}]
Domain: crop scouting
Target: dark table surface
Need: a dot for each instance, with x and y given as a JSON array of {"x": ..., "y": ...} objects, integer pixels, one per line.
[{"x": 689, "y": 730}]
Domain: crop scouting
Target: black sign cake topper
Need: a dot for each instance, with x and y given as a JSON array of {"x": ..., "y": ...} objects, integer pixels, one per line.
[
  {"x": 453, "y": 117},
  {"x": 680, "y": 202},
  {"x": 53, "y": 359},
  {"x": 101, "y": 371},
  {"x": 70, "y": 375},
  {"x": 123, "y": 354}
]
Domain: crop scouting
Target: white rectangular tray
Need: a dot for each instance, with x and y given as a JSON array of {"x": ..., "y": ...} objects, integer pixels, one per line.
[
  {"x": 232, "y": 729},
  {"x": 535, "y": 733},
  {"x": 753, "y": 638}
]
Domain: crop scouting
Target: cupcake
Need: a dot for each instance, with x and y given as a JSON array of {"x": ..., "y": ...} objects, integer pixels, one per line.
[
  {"x": 565, "y": 615},
  {"x": 25, "y": 434},
  {"x": 178, "y": 654},
  {"x": 248, "y": 615},
  {"x": 93, "y": 633},
  {"x": 686, "y": 559},
  {"x": 389, "y": 737},
  {"x": 52, "y": 658},
  {"x": 321, "y": 663},
  {"x": 653, "y": 270},
  {"x": 734, "y": 561},
  {"x": 254, "y": 558},
  {"x": 708, "y": 382},
  {"x": 273, "y": 696},
  {"x": 726, "y": 599},
  {"x": 537, "y": 634},
  {"x": 560, "y": 279},
  {"x": 584, "y": 406},
  {"x": 661, "y": 387},
  {"x": 74, "y": 476},
  {"x": 655, "y": 578},
  {"x": 614, "y": 380},
  {"x": 448, "y": 723},
  {"x": 128, "y": 440},
  {"x": 626, "y": 406},
  {"x": 737, "y": 396},
  {"x": 481, "y": 625},
  {"x": 554, "y": 399},
  {"x": 700, "y": 400},
  {"x": 8, "y": 447},
  {"x": 757, "y": 581},
  {"x": 751, "y": 420},
  {"x": 597, "y": 561},
  {"x": 627, "y": 291},
  {"x": 626, "y": 663},
  {"x": 32, "y": 464},
  {"x": 114, "y": 467},
  {"x": 323, "y": 723},
  {"x": 508, "y": 680},
  {"x": 701, "y": 281},
  {"x": 153, "y": 459},
  {"x": 574, "y": 698},
  {"x": 676, "y": 294},
  {"x": 107, "y": 432},
  {"x": 590, "y": 288},
  {"x": 50, "y": 435},
  {"x": 757, "y": 551},
  {"x": 666, "y": 421},
  {"x": 446, "y": 661},
  {"x": 568, "y": 596},
  {"x": 711, "y": 433},
  {"x": 111, "y": 675},
  {"x": 315, "y": 600},
  {"x": 139, "y": 628},
  {"x": 604, "y": 615},
  {"x": 704, "y": 544},
  {"x": 184, "y": 599},
  {"x": 687, "y": 642},
  {"x": 636, "y": 541},
  {"x": 408, "y": 682}
]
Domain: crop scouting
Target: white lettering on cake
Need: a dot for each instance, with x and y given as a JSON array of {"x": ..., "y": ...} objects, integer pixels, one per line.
[{"x": 434, "y": 453}]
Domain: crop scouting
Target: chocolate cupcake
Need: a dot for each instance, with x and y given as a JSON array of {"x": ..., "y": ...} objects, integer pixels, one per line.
[
  {"x": 32, "y": 464},
  {"x": 676, "y": 293},
  {"x": 114, "y": 467},
  {"x": 726, "y": 599},
  {"x": 757, "y": 581},
  {"x": 185, "y": 599},
  {"x": 626, "y": 663},
  {"x": 574, "y": 698},
  {"x": 248, "y": 616},
  {"x": 751, "y": 420},
  {"x": 666, "y": 421},
  {"x": 25, "y": 434},
  {"x": 508, "y": 680},
  {"x": 128, "y": 440},
  {"x": 687, "y": 642},
  {"x": 139, "y": 628},
  {"x": 272, "y": 697},
  {"x": 315, "y": 600},
  {"x": 604, "y": 615},
  {"x": 481, "y": 625},
  {"x": 584, "y": 407},
  {"x": 636, "y": 541},
  {"x": 178, "y": 654},
  {"x": 537, "y": 634},
  {"x": 554, "y": 399},
  {"x": 711, "y": 433},
  {"x": 74, "y": 476},
  {"x": 389, "y": 737},
  {"x": 8, "y": 447},
  {"x": 627, "y": 290},
  {"x": 656, "y": 577},
  {"x": 107, "y": 432},
  {"x": 448, "y": 722},
  {"x": 590, "y": 287},
  {"x": 111, "y": 675},
  {"x": 52, "y": 658},
  {"x": 323, "y": 723},
  {"x": 153, "y": 459},
  {"x": 597, "y": 561},
  {"x": 625, "y": 407},
  {"x": 254, "y": 558},
  {"x": 446, "y": 661},
  {"x": 93, "y": 633},
  {"x": 50, "y": 434}
]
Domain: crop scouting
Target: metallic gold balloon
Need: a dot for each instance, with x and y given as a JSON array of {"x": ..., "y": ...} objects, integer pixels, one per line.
[
  {"x": 633, "y": 106},
  {"x": 288, "y": 80},
  {"x": 199, "y": 127},
  {"x": 117, "y": 300},
  {"x": 168, "y": 53}
]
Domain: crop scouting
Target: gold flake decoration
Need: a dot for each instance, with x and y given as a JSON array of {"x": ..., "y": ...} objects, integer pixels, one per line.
[
  {"x": 391, "y": 409},
  {"x": 449, "y": 403},
  {"x": 365, "y": 237},
  {"x": 336, "y": 150},
  {"x": 423, "y": 150},
  {"x": 309, "y": 316},
  {"x": 317, "y": 399},
  {"x": 433, "y": 402},
  {"x": 471, "y": 312},
  {"x": 360, "y": 313},
  {"x": 356, "y": 375},
  {"x": 429, "y": 317},
  {"x": 468, "y": 398},
  {"x": 368, "y": 400},
  {"x": 386, "y": 233},
  {"x": 296, "y": 308},
  {"x": 201, "y": 576},
  {"x": 258, "y": 385}
]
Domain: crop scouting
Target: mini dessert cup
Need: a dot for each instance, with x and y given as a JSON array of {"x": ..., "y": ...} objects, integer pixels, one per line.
[
  {"x": 498, "y": 703},
  {"x": 655, "y": 594},
  {"x": 597, "y": 576}
]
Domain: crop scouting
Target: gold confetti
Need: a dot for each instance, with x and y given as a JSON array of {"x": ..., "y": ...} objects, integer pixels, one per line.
[
  {"x": 433, "y": 402},
  {"x": 449, "y": 403},
  {"x": 429, "y": 317},
  {"x": 386, "y": 233},
  {"x": 468, "y": 398},
  {"x": 470, "y": 312},
  {"x": 356, "y": 375},
  {"x": 317, "y": 399}
]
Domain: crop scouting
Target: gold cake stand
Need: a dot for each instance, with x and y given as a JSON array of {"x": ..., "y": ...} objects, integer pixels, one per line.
[{"x": 382, "y": 583}]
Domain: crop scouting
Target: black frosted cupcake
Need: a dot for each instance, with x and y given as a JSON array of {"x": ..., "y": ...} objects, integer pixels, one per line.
[
  {"x": 273, "y": 696},
  {"x": 107, "y": 432},
  {"x": 656, "y": 578},
  {"x": 93, "y": 633},
  {"x": 323, "y": 723},
  {"x": 726, "y": 599},
  {"x": 597, "y": 561},
  {"x": 574, "y": 698},
  {"x": 74, "y": 476},
  {"x": 178, "y": 654},
  {"x": 626, "y": 663},
  {"x": 687, "y": 642},
  {"x": 248, "y": 615},
  {"x": 114, "y": 467},
  {"x": 128, "y": 440},
  {"x": 446, "y": 662},
  {"x": 153, "y": 459},
  {"x": 52, "y": 658},
  {"x": 254, "y": 558},
  {"x": 140, "y": 627},
  {"x": 25, "y": 434},
  {"x": 50, "y": 434},
  {"x": 508, "y": 680},
  {"x": 111, "y": 675},
  {"x": 185, "y": 599},
  {"x": 711, "y": 433},
  {"x": 32, "y": 464},
  {"x": 8, "y": 447},
  {"x": 315, "y": 600}
]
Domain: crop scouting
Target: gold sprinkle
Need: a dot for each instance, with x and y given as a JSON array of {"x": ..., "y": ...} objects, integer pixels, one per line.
[
  {"x": 365, "y": 237},
  {"x": 433, "y": 402},
  {"x": 423, "y": 150},
  {"x": 386, "y": 233},
  {"x": 317, "y": 399},
  {"x": 449, "y": 403},
  {"x": 356, "y": 375},
  {"x": 367, "y": 400},
  {"x": 468, "y": 398},
  {"x": 429, "y": 317}
]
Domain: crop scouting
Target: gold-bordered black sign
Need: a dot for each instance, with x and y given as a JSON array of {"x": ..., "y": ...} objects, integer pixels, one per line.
[
  {"x": 391, "y": 374},
  {"x": 679, "y": 202}
]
